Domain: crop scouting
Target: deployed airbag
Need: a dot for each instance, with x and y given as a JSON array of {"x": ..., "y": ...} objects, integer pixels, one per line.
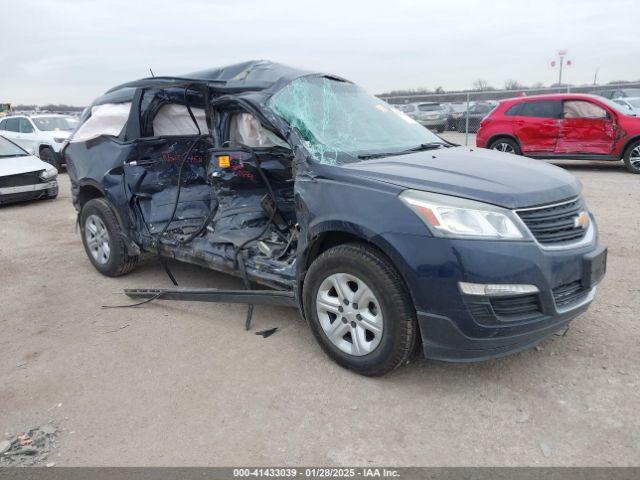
[
  {"x": 107, "y": 119},
  {"x": 174, "y": 119},
  {"x": 245, "y": 129}
]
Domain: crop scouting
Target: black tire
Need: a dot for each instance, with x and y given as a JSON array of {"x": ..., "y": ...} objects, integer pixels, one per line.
[
  {"x": 635, "y": 166},
  {"x": 440, "y": 129},
  {"x": 494, "y": 145},
  {"x": 399, "y": 334},
  {"x": 119, "y": 262},
  {"x": 49, "y": 156}
]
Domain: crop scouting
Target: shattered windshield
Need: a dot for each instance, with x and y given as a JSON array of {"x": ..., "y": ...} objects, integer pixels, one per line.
[{"x": 338, "y": 121}]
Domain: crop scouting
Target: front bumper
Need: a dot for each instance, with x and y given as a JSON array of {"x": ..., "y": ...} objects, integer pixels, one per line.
[
  {"x": 28, "y": 192},
  {"x": 456, "y": 327},
  {"x": 433, "y": 123},
  {"x": 443, "y": 340}
]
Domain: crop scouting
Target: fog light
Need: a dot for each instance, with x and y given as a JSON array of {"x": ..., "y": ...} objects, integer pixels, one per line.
[{"x": 496, "y": 290}]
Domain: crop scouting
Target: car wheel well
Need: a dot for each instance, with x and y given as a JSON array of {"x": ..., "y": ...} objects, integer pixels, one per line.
[
  {"x": 86, "y": 193},
  {"x": 323, "y": 242},
  {"x": 327, "y": 240},
  {"x": 631, "y": 141},
  {"x": 495, "y": 138},
  {"x": 43, "y": 146}
]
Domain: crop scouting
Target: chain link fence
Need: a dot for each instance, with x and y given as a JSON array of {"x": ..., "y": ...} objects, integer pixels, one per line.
[{"x": 457, "y": 115}]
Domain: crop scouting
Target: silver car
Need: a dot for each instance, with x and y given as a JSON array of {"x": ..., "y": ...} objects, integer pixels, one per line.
[
  {"x": 23, "y": 176},
  {"x": 631, "y": 104},
  {"x": 431, "y": 115}
]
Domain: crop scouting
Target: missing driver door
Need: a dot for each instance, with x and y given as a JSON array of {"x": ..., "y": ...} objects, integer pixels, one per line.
[
  {"x": 166, "y": 171},
  {"x": 163, "y": 176}
]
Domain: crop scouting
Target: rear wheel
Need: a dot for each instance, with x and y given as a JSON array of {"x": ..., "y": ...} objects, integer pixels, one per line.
[
  {"x": 48, "y": 155},
  {"x": 506, "y": 145},
  {"x": 103, "y": 239},
  {"x": 359, "y": 310},
  {"x": 632, "y": 157}
]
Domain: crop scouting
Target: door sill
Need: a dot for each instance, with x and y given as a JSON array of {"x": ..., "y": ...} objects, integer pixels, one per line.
[{"x": 572, "y": 156}]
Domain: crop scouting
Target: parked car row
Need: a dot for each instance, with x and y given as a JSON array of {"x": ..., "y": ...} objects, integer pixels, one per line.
[
  {"x": 448, "y": 116},
  {"x": 614, "y": 93}
]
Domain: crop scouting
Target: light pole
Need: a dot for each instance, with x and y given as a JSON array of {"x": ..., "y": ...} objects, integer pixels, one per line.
[
  {"x": 561, "y": 62},
  {"x": 561, "y": 54}
]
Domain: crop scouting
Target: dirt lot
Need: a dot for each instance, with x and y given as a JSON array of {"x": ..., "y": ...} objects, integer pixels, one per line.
[{"x": 183, "y": 384}]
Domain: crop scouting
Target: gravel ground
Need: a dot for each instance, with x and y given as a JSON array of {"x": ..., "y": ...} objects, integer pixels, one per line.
[{"x": 176, "y": 383}]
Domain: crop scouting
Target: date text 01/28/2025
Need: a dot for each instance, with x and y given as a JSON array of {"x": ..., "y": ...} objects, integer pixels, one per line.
[{"x": 316, "y": 472}]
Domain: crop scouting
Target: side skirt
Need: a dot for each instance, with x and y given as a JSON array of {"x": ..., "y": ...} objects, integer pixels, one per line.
[
  {"x": 255, "y": 297},
  {"x": 568, "y": 156}
]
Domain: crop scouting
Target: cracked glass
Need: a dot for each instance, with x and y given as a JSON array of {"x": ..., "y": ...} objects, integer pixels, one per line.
[{"x": 339, "y": 121}]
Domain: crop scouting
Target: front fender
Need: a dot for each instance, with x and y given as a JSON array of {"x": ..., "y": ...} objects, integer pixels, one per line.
[{"x": 362, "y": 208}]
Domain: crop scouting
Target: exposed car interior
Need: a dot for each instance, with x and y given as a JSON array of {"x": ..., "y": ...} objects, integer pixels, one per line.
[{"x": 205, "y": 187}]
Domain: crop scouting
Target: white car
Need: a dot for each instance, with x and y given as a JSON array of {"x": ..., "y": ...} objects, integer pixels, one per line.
[
  {"x": 23, "y": 176},
  {"x": 41, "y": 135},
  {"x": 632, "y": 104}
]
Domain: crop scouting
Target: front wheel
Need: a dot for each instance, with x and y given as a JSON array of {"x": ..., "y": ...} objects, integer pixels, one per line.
[
  {"x": 359, "y": 310},
  {"x": 632, "y": 157},
  {"x": 48, "y": 155},
  {"x": 506, "y": 145}
]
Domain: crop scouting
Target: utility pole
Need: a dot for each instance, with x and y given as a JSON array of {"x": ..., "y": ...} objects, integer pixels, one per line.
[
  {"x": 595, "y": 76},
  {"x": 561, "y": 54}
]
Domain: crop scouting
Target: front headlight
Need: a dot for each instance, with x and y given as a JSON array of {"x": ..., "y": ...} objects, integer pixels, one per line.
[
  {"x": 49, "y": 173},
  {"x": 455, "y": 217}
]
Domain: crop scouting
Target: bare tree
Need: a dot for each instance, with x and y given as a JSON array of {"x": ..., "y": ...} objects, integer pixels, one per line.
[
  {"x": 482, "y": 85},
  {"x": 438, "y": 90},
  {"x": 513, "y": 85}
]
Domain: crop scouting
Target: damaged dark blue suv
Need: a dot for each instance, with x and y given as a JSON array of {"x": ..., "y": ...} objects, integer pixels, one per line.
[{"x": 385, "y": 236}]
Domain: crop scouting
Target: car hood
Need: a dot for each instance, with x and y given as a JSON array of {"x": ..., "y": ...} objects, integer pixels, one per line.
[
  {"x": 16, "y": 165},
  {"x": 57, "y": 134},
  {"x": 489, "y": 176}
]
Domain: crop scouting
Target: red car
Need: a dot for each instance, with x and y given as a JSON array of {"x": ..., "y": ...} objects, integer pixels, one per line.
[{"x": 573, "y": 126}]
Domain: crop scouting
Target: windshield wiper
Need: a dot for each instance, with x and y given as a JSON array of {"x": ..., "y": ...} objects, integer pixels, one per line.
[{"x": 418, "y": 148}]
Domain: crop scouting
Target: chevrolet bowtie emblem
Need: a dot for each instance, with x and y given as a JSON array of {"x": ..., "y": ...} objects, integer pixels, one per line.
[{"x": 581, "y": 221}]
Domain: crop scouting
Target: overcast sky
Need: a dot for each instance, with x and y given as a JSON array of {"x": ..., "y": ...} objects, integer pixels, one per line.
[{"x": 71, "y": 51}]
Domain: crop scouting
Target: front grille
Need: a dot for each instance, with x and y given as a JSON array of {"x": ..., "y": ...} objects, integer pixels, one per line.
[
  {"x": 20, "y": 180},
  {"x": 555, "y": 224},
  {"x": 569, "y": 293},
  {"x": 515, "y": 306}
]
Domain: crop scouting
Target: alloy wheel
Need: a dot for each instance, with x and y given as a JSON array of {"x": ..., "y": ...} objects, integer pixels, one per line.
[
  {"x": 503, "y": 147},
  {"x": 634, "y": 157},
  {"x": 97, "y": 237},
  {"x": 349, "y": 314}
]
